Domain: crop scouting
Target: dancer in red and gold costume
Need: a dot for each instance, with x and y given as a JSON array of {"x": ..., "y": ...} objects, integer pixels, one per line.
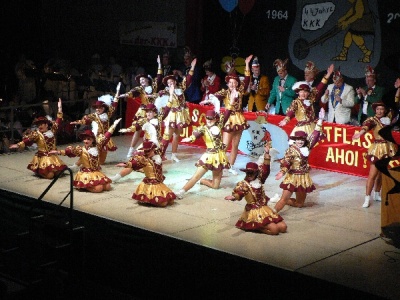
[
  {"x": 43, "y": 163},
  {"x": 295, "y": 167},
  {"x": 214, "y": 159},
  {"x": 152, "y": 132},
  {"x": 89, "y": 177},
  {"x": 379, "y": 149},
  {"x": 147, "y": 91},
  {"x": 100, "y": 121},
  {"x": 235, "y": 120},
  {"x": 176, "y": 113},
  {"x": 151, "y": 190},
  {"x": 257, "y": 216},
  {"x": 302, "y": 108}
]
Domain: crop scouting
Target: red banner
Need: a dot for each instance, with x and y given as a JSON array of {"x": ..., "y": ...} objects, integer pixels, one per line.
[{"x": 337, "y": 152}]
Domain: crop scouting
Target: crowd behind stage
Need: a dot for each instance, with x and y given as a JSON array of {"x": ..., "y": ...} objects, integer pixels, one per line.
[{"x": 35, "y": 87}]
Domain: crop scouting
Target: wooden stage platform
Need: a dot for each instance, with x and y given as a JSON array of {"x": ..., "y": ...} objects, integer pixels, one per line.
[{"x": 332, "y": 249}]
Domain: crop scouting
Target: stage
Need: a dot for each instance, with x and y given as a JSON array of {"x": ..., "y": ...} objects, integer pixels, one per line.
[{"x": 333, "y": 240}]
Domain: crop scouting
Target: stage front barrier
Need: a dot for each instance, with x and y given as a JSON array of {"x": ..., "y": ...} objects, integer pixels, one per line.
[{"x": 336, "y": 153}]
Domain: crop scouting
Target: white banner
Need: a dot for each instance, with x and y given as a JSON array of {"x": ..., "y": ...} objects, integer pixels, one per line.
[{"x": 153, "y": 34}]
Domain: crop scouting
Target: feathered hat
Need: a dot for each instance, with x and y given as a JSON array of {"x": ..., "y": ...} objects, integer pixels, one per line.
[
  {"x": 104, "y": 101},
  {"x": 310, "y": 67},
  {"x": 255, "y": 62},
  {"x": 369, "y": 71},
  {"x": 280, "y": 64}
]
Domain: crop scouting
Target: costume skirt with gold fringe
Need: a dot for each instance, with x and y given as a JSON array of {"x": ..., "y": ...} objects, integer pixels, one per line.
[
  {"x": 381, "y": 150},
  {"x": 297, "y": 183},
  {"x": 154, "y": 194},
  {"x": 214, "y": 161},
  {"x": 257, "y": 218},
  {"x": 90, "y": 179},
  {"x": 307, "y": 128},
  {"x": 45, "y": 164},
  {"x": 178, "y": 119},
  {"x": 236, "y": 122}
]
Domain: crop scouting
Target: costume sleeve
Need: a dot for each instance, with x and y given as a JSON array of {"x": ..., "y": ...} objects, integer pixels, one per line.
[
  {"x": 265, "y": 168},
  {"x": 240, "y": 190},
  {"x": 136, "y": 162},
  {"x": 291, "y": 111},
  {"x": 286, "y": 161},
  {"x": 29, "y": 139},
  {"x": 72, "y": 151}
]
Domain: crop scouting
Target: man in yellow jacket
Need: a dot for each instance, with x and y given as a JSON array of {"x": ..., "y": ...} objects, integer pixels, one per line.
[{"x": 259, "y": 88}]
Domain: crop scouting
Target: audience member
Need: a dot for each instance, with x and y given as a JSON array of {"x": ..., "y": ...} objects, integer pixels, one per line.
[
  {"x": 211, "y": 83},
  {"x": 368, "y": 95},
  {"x": 281, "y": 94},
  {"x": 340, "y": 98},
  {"x": 310, "y": 74},
  {"x": 192, "y": 91},
  {"x": 25, "y": 71},
  {"x": 259, "y": 88},
  {"x": 167, "y": 68}
]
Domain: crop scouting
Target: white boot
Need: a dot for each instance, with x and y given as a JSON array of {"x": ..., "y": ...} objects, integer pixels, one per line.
[
  {"x": 232, "y": 171},
  {"x": 116, "y": 178},
  {"x": 74, "y": 168},
  {"x": 130, "y": 151},
  {"x": 274, "y": 199},
  {"x": 179, "y": 194},
  {"x": 366, "y": 201},
  {"x": 174, "y": 158},
  {"x": 377, "y": 196}
]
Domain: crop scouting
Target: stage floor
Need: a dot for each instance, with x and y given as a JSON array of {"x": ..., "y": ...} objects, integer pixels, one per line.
[{"x": 333, "y": 238}]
